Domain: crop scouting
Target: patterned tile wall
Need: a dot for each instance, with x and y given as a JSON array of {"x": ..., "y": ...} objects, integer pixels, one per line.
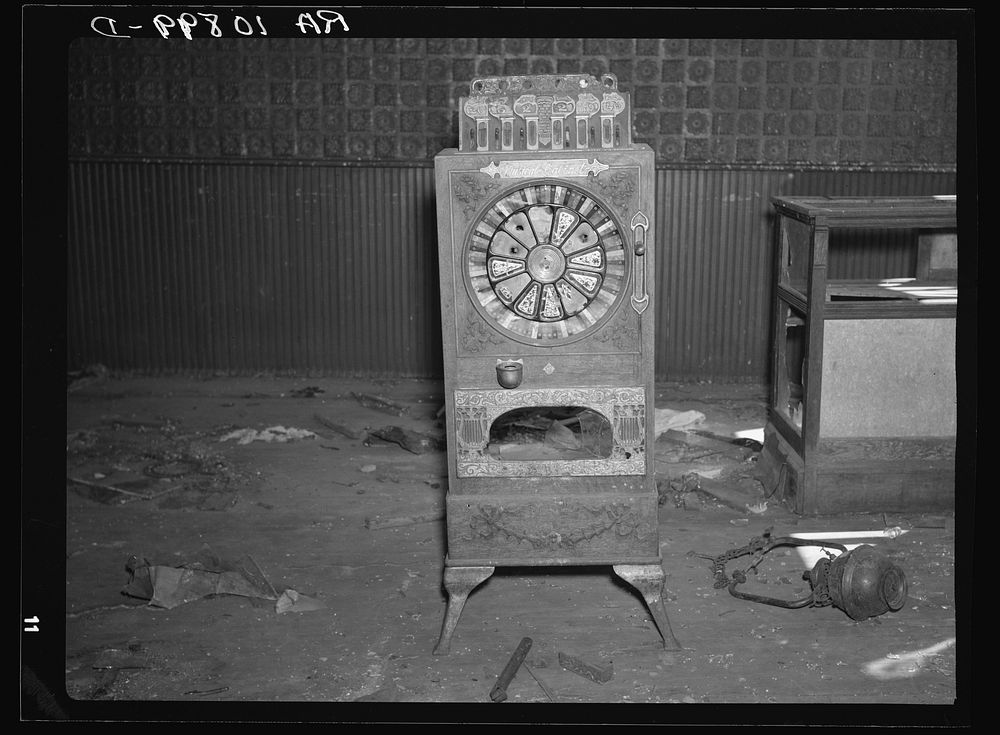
[{"x": 711, "y": 101}]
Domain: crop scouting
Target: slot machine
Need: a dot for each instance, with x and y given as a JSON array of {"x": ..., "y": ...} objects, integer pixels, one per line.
[{"x": 546, "y": 252}]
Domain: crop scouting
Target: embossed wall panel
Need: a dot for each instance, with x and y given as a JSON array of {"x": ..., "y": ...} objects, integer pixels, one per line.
[
  {"x": 184, "y": 257},
  {"x": 720, "y": 101}
]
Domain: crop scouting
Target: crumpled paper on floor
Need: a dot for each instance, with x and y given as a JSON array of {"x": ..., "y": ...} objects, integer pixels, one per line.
[
  {"x": 170, "y": 586},
  {"x": 270, "y": 434},
  {"x": 666, "y": 419}
]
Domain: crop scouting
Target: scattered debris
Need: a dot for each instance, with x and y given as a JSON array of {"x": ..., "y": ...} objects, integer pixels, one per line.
[
  {"x": 411, "y": 441},
  {"x": 310, "y": 391},
  {"x": 559, "y": 435},
  {"x": 683, "y": 447},
  {"x": 724, "y": 493},
  {"x": 292, "y": 601},
  {"x": 380, "y": 404},
  {"x": 551, "y": 433},
  {"x": 391, "y": 692},
  {"x": 95, "y": 374},
  {"x": 499, "y": 691},
  {"x": 757, "y": 508},
  {"x": 712, "y": 473},
  {"x": 117, "y": 422},
  {"x": 684, "y": 492},
  {"x": 206, "y": 692},
  {"x": 738, "y": 441},
  {"x": 599, "y": 673},
  {"x": 123, "y": 461},
  {"x": 375, "y": 523},
  {"x": 545, "y": 689},
  {"x": 170, "y": 586},
  {"x": 115, "y": 494},
  {"x": 691, "y": 501},
  {"x": 667, "y": 419},
  {"x": 172, "y": 468},
  {"x": 341, "y": 428},
  {"x": 756, "y": 435},
  {"x": 270, "y": 434}
]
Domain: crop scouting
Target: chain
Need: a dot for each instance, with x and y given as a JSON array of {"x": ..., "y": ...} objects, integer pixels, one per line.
[
  {"x": 821, "y": 581},
  {"x": 758, "y": 547},
  {"x": 755, "y": 546}
]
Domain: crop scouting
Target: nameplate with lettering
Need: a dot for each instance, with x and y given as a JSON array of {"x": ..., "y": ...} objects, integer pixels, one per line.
[{"x": 579, "y": 167}]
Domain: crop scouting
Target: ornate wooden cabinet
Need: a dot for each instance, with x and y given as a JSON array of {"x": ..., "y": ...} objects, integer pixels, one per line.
[{"x": 545, "y": 231}]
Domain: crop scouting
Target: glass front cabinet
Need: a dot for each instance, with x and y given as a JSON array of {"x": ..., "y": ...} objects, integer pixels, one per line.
[{"x": 862, "y": 411}]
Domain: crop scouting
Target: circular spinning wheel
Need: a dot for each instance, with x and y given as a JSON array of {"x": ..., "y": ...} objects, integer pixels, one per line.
[{"x": 546, "y": 264}]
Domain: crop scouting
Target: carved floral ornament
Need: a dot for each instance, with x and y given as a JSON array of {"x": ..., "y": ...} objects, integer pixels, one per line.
[
  {"x": 542, "y": 168},
  {"x": 520, "y": 526},
  {"x": 498, "y": 402}
]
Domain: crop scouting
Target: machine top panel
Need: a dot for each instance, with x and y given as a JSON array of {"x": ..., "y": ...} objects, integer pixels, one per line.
[{"x": 544, "y": 112}]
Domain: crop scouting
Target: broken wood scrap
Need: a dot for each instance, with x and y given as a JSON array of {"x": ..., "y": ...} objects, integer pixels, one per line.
[
  {"x": 310, "y": 391},
  {"x": 102, "y": 486},
  {"x": 117, "y": 422},
  {"x": 723, "y": 493},
  {"x": 104, "y": 493},
  {"x": 411, "y": 441},
  {"x": 341, "y": 429},
  {"x": 380, "y": 404},
  {"x": 736, "y": 441}
]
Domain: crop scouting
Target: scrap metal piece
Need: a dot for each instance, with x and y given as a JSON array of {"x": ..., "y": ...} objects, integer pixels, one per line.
[
  {"x": 499, "y": 691},
  {"x": 548, "y": 692},
  {"x": 596, "y": 673}
]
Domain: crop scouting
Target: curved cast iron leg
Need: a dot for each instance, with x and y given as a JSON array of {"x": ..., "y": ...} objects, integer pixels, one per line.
[
  {"x": 648, "y": 579},
  {"x": 458, "y": 582}
]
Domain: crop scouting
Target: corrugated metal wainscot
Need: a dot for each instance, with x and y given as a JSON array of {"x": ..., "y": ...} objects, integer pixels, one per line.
[{"x": 240, "y": 268}]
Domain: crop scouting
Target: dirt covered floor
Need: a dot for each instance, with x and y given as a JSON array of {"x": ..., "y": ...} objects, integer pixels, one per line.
[{"x": 262, "y": 541}]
